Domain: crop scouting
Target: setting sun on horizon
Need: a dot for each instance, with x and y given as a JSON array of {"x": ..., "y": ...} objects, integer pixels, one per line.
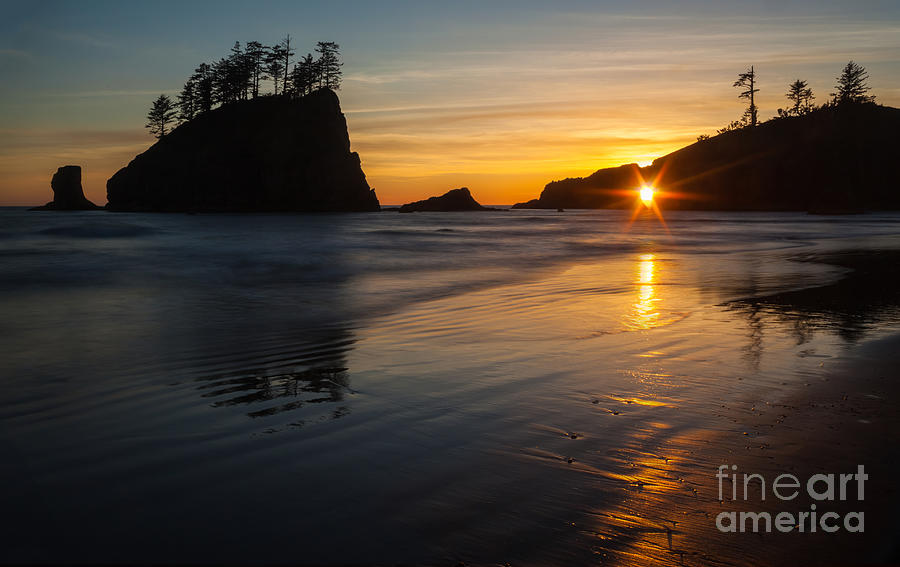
[{"x": 647, "y": 195}]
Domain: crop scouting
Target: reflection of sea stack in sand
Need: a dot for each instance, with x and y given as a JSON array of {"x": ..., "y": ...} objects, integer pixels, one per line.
[
  {"x": 453, "y": 200},
  {"x": 67, "y": 192},
  {"x": 267, "y": 154}
]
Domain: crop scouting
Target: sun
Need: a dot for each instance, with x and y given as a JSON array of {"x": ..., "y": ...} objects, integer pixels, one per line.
[{"x": 647, "y": 195}]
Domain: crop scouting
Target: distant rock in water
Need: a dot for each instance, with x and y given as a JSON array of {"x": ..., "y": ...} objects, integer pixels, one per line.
[
  {"x": 454, "y": 200},
  {"x": 68, "y": 194},
  {"x": 266, "y": 154},
  {"x": 833, "y": 160}
]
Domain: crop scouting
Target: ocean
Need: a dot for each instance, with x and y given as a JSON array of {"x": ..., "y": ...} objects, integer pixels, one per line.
[{"x": 531, "y": 387}]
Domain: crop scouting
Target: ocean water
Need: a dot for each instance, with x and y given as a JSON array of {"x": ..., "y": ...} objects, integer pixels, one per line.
[{"x": 386, "y": 388}]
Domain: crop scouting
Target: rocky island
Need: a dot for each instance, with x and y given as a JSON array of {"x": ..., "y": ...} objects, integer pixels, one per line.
[
  {"x": 454, "y": 200},
  {"x": 269, "y": 154},
  {"x": 835, "y": 159},
  {"x": 68, "y": 194}
]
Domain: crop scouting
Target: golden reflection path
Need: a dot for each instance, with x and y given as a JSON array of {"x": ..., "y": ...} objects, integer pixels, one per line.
[{"x": 645, "y": 310}]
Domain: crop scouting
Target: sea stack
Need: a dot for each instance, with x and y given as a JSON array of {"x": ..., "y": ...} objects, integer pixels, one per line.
[
  {"x": 454, "y": 200},
  {"x": 270, "y": 154},
  {"x": 68, "y": 195}
]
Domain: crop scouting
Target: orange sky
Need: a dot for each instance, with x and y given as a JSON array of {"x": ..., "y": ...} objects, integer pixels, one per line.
[{"x": 501, "y": 102}]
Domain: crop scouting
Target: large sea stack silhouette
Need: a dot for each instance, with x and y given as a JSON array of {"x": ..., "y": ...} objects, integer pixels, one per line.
[
  {"x": 266, "y": 154},
  {"x": 838, "y": 159},
  {"x": 68, "y": 195}
]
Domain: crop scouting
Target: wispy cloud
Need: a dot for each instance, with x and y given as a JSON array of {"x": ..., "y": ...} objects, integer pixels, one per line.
[
  {"x": 31, "y": 141},
  {"x": 14, "y": 53},
  {"x": 111, "y": 93},
  {"x": 80, "y": 38}
]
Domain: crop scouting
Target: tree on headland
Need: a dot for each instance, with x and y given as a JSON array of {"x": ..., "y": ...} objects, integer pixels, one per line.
[
  {"x": 256, "y": 57},
  {"x": 275, "y": 63},
  {"x": 240, "y": 73},
  {"x": 203, "y": 84},
  {"x": 735, "y": 125},
  {"x": 852, "y": 85},
  {"x": 747, "y": 80},
  {"x": 187, "y": 101},
  {"x": 287, "y": 52},
  {"x": 304, "y": 76},
  {"x": 802, "y": 96},
  {"x": 240, "y": 76},
  {"x": 232, "y": 77},
  {"x": 162, "y": 113},
  {"x": 329, "y": 64}
]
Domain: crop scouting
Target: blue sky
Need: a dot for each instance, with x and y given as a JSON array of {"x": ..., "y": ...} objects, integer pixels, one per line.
[{"x": 499, "y": 96}]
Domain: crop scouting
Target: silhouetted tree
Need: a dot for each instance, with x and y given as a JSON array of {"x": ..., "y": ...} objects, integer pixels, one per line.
[
  {"x": 232, "y": 76},
  {"x": 802, "y": 96},
  {"x": 255, "y": 53},
  {"x": 221, "y": 86},
  {"x": 304, "y": 76},
  {"x": 747, "y": 81},
  {"x": 239, "y": 75},
  {"x": 287, "y": 52},
  {"x": 735, "y": 125},
  {"x": 187, "y": 101},
  {"x": 203, "y": 85},
  {"x": 852, "y": 85},
  {"x": 240, "y": 72},
  {"x": 275, "y": 63},
  {"x": 162, "y": 113},
  {"x": 329, "y": 64}
]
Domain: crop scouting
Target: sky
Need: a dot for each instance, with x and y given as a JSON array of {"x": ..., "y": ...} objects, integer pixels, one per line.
[{"x": 501, "y": 97}]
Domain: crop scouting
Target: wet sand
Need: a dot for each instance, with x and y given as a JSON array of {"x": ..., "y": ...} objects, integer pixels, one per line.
[
  {"x": 841, "y": 416},
  {"x": 846, "y": 418}
]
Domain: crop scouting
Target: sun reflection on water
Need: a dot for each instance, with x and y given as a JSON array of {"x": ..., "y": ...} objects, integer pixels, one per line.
[{"x": 645, "y": 311}]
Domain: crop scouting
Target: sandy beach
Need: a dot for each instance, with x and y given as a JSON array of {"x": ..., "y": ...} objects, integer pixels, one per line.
[{"x": 528, "y": 388}]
